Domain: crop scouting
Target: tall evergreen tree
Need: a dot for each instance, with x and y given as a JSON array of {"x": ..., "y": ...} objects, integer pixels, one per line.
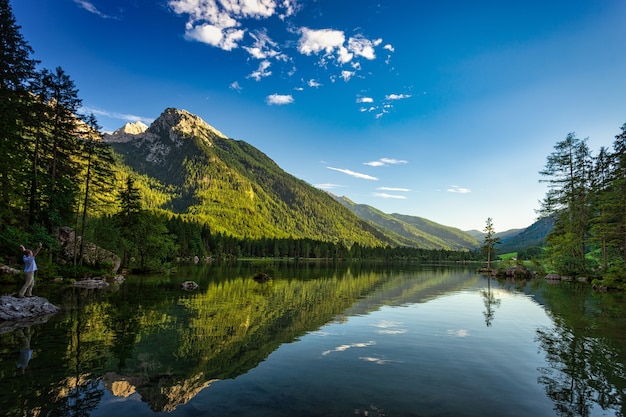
[
  {"x": 16, "y": 71},
  {"x": 619, "y": 190},
  {"x": 569, "y": 170},
  {"x": 62, "y": 148},
  {"x": 97, "y": 172},
  {"x": 490, "y": 240}
]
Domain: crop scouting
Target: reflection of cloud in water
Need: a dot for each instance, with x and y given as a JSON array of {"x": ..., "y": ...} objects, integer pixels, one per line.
[
  {"x": 377, "y": 361},
  {"x": 458, "y": 332},
  {"x": 346, "y": 347},
  {"x": 321, "y": 333},
  {"x": 391, "y": 331},
  {"x": 389, "y": 327}
]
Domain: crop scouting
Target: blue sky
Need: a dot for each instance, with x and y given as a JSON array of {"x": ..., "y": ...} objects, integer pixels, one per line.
[{"x": 440, "y": 109}]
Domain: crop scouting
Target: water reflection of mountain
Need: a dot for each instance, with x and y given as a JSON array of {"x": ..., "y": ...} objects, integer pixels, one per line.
[
  {"x": 233, "y": 325},
  {"x": 415, "y": 287}
]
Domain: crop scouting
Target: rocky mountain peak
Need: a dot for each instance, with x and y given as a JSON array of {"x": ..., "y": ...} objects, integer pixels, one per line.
[
  {"x": 184, "y": 122},
  {"x": 127, "y": 132}
]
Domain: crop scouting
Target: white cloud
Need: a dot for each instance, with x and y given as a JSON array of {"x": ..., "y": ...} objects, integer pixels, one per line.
[
  {"x": 261, "y": 72},
  {"x": 331, "y": 43},
  {"x": 457, "y": 189},
  {"x": 325, "y": 41},
  {"x": 354, "y": 174},
  {"x": 364, "y": 100},
  {"x": 264, "y": 47},
  {"x": 215, "y": 22},
  {"x": 327, "y": 186},
  {"x": 386, "y": 161},
  {"x": 87, "y": 5},
  {"x": 394, "y": 189},
  {"x": 279, "y": 99},
  {"x": 346, "y": 75},
  {"x": 361, "y": 46},
  {"x": 397, "y": 96},
  {"x": 385, "y": 195},
  {"x": 226, "y": 39}
]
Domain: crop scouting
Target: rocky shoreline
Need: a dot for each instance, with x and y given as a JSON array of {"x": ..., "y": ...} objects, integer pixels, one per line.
[{"x": 15, "y": 308}]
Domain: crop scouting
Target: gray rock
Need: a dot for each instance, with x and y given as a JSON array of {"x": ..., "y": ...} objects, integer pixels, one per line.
[{"x": 14, "y": 308}]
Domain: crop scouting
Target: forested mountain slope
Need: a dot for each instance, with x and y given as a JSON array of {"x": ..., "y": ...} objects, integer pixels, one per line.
[
  {"x": 194, "y": 170},
  {"x": 416, "y": 231}
]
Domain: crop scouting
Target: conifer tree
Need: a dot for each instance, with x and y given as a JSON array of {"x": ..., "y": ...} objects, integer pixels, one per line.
[
  {"x": 97, "y": 172},
  {"x": 61, "y": 143},
  {"x": 490, "y": 241},
  {"x": 569, "y": 171},
  {"x": 16, "y": 71}
]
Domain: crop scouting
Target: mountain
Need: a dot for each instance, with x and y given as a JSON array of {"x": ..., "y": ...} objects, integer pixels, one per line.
[
  {"x": 411, "y": 230},
  {"x": 187, "y": 167},
  {"x": 533, "y": 235}
]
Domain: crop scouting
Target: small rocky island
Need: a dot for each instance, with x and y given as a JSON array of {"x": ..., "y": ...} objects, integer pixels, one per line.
[{"x": 14, "y": 308}]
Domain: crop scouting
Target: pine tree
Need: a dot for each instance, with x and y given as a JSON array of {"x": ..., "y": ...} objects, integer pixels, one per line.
[
  {"x": 490, "y": 241},
  {"x": 62, "y": 147},
  {"x": 97, "y": 162},
  {"x": 567, "y": 198},
  {"x": 16, "y": 71}
]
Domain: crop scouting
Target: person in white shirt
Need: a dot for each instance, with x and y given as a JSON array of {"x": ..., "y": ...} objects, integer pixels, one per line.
[{"x": 30, "y": 266}]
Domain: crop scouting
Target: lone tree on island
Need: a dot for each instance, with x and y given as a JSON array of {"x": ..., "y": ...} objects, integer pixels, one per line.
[{"x": 490, "y": 241}]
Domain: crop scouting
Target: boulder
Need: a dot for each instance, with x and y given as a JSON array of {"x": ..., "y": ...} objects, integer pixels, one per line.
[
  {"x": 189, "y": 285},
  {"x": 91, "y": 283},
  {"x": 92, "y": 254},
  {"x": 5, "y": 269},
  {"x": 14, "y": 308}
]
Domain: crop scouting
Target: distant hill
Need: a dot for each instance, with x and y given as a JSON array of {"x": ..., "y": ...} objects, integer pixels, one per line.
[
  {"x": 533, "y": 235},
  {"x": 515, "y": 240},
  {"x": 413, "y": 231}
]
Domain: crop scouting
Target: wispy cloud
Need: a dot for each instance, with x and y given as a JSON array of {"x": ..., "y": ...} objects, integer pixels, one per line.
[
  {"x": 397, "y": 96},
  {"x": 386, "y": 161},
  {"x": 114, "y": 115},
  {"x": 346, "y": 75},
  {"x": 235, "y": 86},
  {"x": 457, "y": 189},
  {"x": 87, "y": 5},
  {"x": 394, "y": 189},
  {"x": 385, "y": 195},
  {"x": 279, "y": 99},
  {"x": 327, "y": 186},
  {"x": 354, "y": 174},
  {"x": 262, "y": 71}
]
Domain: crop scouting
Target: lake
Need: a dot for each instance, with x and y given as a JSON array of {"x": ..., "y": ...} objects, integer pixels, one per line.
[{"x": 319, "y": 340}]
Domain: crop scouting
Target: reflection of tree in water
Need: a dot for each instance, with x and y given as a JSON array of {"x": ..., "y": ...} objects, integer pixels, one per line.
[
  {"x": 583, "y": 372},
  {"x": 490, "y": 301}
]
